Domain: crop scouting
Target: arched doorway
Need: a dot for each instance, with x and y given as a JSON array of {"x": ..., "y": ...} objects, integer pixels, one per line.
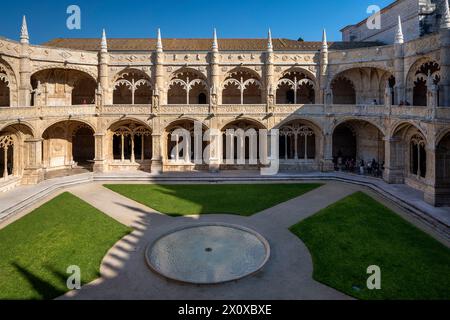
[
  {"x": 68, "y": 145},
  {"x": 343, "y": 91},
  {"x": 295, "y": 87},
  {"x": 83, "y": 146},
  {"x": 131, "y": 145},
  {"x": 62, "y": 87},
  {"x": 4, "y": 89},
  {"x": 420, "y": 82},
  {"x": 365, "y": 85},
  {"x": 358, "y": 146},
  {"x": 184, "y": 150},
  {"x": 132, "y": 87},
  {"x": 14, "y": 152},
  {"x": 241, "y": 145},
  {"x": 187, "y": 86},
  {"x": 242, "y": 86},
  {"x": 299, "y": 145},
  {"x": 408, "y": 156},
  {"x": 6, "y": 156}
]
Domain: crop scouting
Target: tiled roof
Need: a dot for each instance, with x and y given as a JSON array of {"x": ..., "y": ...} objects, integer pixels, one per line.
[{"x": 201, "y": 44}]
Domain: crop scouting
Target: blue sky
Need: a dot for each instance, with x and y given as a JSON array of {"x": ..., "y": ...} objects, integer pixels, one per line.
[{"x": 185, "y": 19}]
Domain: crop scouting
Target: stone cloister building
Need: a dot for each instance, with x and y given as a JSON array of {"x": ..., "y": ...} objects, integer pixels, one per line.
[{"x": 113, "y": 104}]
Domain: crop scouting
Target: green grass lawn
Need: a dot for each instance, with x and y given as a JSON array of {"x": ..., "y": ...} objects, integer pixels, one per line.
[
  {"x": 352, "y": 234},
  {"x": 36, "y": 250},
  {"x": 239, "y": 199}
]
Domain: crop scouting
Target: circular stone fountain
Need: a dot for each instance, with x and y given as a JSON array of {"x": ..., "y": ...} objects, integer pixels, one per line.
[{"x": 208, "y": 254}]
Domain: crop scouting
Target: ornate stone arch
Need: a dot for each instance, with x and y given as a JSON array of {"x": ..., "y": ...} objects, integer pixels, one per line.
[
  {"x": 118, "y": 122},
  {"x": 187, "y": 85},
  {"x": 343, "y": 120},
  {"x": 255, "y": 122},
  {"x": 296, "y": 86},
  {"x": 344, "y": 90},
  {"x": 26, "y": 124},
  {"x": 299, "y": 69},
  {"x": 416, "y": 79},
  {"x": 441, "y": 135},
  {"x": 129, "y": 70},
  {"x": 402, "y": 124},
  {"x": 242, "y": 86},
  {"x": 346, "y": 67},
  {"x": 9, "y": 77},
  {"x": 318, "y": 129},
  {"x": 68, "y": 122},
  {"x": 92, "y": 74},
  {"x": 132, "y": 86},
  {"x": 253, "y": 73}
]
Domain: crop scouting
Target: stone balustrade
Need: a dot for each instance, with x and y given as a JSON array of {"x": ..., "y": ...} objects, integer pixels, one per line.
[
  {"x": 247, "y": 109},
  {"x": 126, "y": 109},
  {"x": 401, "y": 112},
  {"x": 170, "y": 109}
]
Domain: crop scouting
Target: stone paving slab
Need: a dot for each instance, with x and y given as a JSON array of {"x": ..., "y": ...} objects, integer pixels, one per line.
[{"x": 291, "y": 212}]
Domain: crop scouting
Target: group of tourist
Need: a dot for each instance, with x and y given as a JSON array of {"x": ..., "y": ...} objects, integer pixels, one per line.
[{"x": 348, "y": 164}]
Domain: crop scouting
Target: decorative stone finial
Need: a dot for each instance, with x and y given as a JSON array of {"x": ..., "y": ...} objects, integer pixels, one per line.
[
  {"x": 324, "y": 41},
  {"x": 215, "y": 46},
  {"x": 159, "y": 46},
  {"x": 24, "y": 37},
  {"x": 445, "y": 23},
  {"x": 399, "y": 39},
  {"x": 269, "y": 43},
  {"x": 104, "y": 44}
]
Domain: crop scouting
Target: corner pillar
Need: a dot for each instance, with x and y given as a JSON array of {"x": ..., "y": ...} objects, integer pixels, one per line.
[{"x": 33, "y": 172}]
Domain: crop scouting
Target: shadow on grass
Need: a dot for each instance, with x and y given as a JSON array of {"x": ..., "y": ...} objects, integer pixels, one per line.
[
  {"x": 45, "y": 289},
  {"x": 197, "y": 199}
]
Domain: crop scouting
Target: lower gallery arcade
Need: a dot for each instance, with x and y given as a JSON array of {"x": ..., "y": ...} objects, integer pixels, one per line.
[{"x": 404, "y": 156}]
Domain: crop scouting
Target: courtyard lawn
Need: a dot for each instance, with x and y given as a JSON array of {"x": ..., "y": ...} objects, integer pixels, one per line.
[
  {"x": 36, "y": 250},
  {"x": 238, "y": 199},
  {"x": 357, "y": 232}
]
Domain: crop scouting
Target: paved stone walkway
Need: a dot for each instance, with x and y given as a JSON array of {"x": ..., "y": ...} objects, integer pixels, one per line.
[{"x": 287, "y": 275}]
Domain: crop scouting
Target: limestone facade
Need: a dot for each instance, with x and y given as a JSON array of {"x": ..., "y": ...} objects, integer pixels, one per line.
[
  {"x": 419, "y": 18},
  {"x": 109, "y": 109}
]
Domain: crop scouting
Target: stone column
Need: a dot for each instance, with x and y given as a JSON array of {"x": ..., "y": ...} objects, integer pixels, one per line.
[
  {"x": 33, "y": 172},
  {"x": 25, "y": 77},
  {"x": 430, "y": 194},
  {"x": 327, "y": 161},
  {"x": 100, "y": 161},
  {"x": 394, "y": 161},
  {"x": 399, "y": 73},
  {"x": 157, "y": 163}
]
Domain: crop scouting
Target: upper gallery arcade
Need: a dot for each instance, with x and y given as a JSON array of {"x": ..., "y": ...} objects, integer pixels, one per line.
[{"x": 114, "y": 104}]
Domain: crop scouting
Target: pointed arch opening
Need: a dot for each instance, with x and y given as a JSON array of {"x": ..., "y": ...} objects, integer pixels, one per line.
[
  {"x": 296, "y": 87},
  {"x": 62, "y": 87},
  {"x": 132, "y": 87},
  {"x": 242, "y": 86},
  {"x": 358, "y": 147},
  {"x": 5, "y": 99},
  {"x": 187, "y": 86}
]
